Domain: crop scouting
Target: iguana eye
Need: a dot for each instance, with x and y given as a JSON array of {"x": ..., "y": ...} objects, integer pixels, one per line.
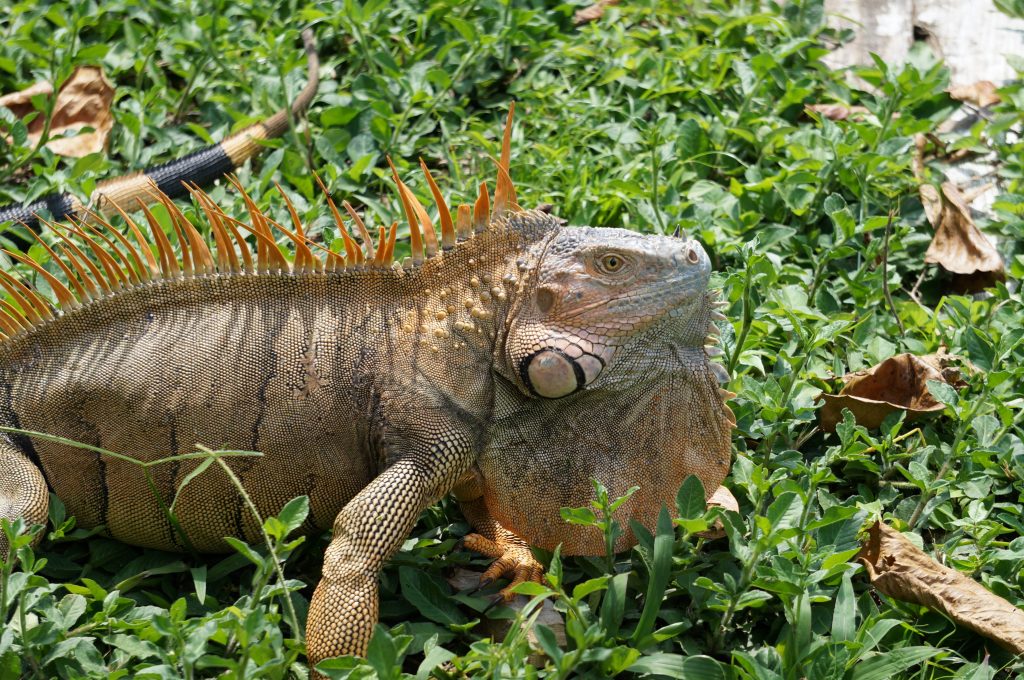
[{"x": 610, "y": 263}]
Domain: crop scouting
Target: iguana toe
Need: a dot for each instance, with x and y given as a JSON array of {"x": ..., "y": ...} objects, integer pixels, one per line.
[{"x": 514, "y": 561}]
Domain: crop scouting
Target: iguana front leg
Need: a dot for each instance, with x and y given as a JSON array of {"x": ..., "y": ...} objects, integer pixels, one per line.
[
  {"x": 513, "y": 558},
  {"x": 368, "y": 530}
]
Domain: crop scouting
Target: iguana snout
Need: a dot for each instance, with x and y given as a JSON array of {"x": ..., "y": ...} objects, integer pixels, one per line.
[{"x": 595, "y": 290}]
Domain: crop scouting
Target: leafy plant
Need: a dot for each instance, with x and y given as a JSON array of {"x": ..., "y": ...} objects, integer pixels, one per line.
[{"x": 661, "y": 115}]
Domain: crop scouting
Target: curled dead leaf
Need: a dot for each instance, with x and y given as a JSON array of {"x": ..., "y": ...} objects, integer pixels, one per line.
[
  {"x": 899, "y": 383},
  {"x": 982, "y": 93},
  {"x": 958, "y": 246},
  {"x": 82, "y": 101},
  {"x": 592, "y": 13},
  {"x": 896, "y": 567},
  {"x": 20, "y": 102}
]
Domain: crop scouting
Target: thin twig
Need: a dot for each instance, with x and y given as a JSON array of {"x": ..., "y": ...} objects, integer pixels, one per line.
[
  {"x": 885, "y": 272},
  {"x": 917, "y": 284}
]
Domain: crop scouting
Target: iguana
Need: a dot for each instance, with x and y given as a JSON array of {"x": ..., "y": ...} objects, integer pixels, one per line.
[
  {"x": 509, "y": 362},
  {"x": 199, "y": 167}
]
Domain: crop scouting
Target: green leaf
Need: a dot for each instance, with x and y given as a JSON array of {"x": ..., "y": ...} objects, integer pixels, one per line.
[
  {"x": 660, "y": 573},
  {"x": 676, "y": 666},
  {"x": 986, "y": 426},
  {"x": 839, "y": 213},
  {"x": 614, "y": 604},
  {"x": 581, "y": 516},
  {"x": 690, "y": 503},
  {"x": 785, "y": 511},
  {"x": 244, "y": 549},
  {"x": 382, "y": 654},
  {"x": 546, "y": 638},
  {"x": 199, "y": 581},
  {"x": 532, "y": 589},
  {"x": 425, "y": 591},
  {"x": 581, "y": 590},
  {"x": 294, "y": 513},
  {"x": 885, "y": 665},
  {"x": 554, "y": 573},
  {"x": 943, "y": 392},
  {"x": 435, "y": 657}
]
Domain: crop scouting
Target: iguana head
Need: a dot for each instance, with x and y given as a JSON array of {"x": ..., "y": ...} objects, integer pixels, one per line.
[
  {"x": 607, "y": 378},
  {"x": 594, "y": 295}
]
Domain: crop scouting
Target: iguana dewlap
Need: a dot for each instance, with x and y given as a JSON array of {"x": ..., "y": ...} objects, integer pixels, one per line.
[{"x": 510, "y": 363}]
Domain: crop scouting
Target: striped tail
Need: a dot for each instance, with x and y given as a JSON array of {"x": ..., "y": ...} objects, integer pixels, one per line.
[{"x": 199, "y": 167}]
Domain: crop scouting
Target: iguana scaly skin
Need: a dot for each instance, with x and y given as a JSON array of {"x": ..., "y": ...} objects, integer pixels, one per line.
[{"x": 510, "y": 368}]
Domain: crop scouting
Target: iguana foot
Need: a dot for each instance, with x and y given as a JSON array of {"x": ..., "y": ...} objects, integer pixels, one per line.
[{"x": 514, "y": 561}]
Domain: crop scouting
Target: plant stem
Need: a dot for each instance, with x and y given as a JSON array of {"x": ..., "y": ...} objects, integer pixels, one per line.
[
  {"x": 266, "y": 540},
  {"x": 748, "y": 319},
  {"x": 885, "y": 274}
]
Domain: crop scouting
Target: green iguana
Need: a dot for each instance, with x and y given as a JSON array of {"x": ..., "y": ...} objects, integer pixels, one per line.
[
  {"x": 199, "y": 167},
  {"x": 509, "y": 363}
]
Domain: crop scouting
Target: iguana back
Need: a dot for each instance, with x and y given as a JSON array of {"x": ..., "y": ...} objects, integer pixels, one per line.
[{"x": 292, "y": 365}]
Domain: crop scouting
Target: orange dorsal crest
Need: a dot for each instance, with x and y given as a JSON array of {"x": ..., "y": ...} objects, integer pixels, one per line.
[{"x": 88, "y": 259}]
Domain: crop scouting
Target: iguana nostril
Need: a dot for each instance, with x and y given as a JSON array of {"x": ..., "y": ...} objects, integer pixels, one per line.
[
  {"x": 691, "y": 256},
  {"x": 545, "y": 299}
]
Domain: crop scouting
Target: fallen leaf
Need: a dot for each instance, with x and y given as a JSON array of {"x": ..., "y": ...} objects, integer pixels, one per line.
[
  {"x": 593, "y": 12},
  {"x": 982, "y": 93},
  {"x": 899, "y": 569},
  {"x": 20, "y": 102},
  {"x": 82, "y": 101},
  {"x": 931, "y": 201},
  {"x": 721, "y": 498},
  {"x": 839, "y": 111},
  {"x": 899, "y": 383},
  {"x": 959, "y": 246}
]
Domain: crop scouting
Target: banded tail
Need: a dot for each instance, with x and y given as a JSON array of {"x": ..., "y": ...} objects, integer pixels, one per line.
[{"x": 197, "y": 168}]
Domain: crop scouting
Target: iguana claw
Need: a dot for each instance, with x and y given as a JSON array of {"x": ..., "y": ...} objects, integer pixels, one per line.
[{"x": 514, "y": 561}]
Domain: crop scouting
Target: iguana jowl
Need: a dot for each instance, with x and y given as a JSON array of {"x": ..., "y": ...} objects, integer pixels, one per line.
[{"x": 510, "y": 363}]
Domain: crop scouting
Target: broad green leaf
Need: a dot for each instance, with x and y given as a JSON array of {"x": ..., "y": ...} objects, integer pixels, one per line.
[
  {"x": 660, "y": 573},
  {"x": 690, "y": 503},
  {"x": 425, "y": 591}
]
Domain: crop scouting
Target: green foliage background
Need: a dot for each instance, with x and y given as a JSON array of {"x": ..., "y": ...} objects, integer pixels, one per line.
[{"x": 663, "y": 114}]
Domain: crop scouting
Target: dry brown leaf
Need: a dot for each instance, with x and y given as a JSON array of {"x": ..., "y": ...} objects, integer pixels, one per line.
[
  {"x": 982, "y": 93},
  {"x": 82, "y": 101},
  {"x": 899, "y": 569},
  {"x": 721, "y": 498},
  {"x": 959, "y": 246},
  {"x": 899, "y": 383},
  {"x": 839, "y": 111},
  {"x": 931, "y": 201},
  {"x": 20, "y": 102},
  {"x": 592, "y": 13}
]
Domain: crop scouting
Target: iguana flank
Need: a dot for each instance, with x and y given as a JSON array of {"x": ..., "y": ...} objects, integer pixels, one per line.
[{"x": 509, "y": 363}]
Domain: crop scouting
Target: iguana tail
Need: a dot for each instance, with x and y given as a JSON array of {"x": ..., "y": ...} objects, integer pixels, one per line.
[{"x": 199, "y": 167}]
